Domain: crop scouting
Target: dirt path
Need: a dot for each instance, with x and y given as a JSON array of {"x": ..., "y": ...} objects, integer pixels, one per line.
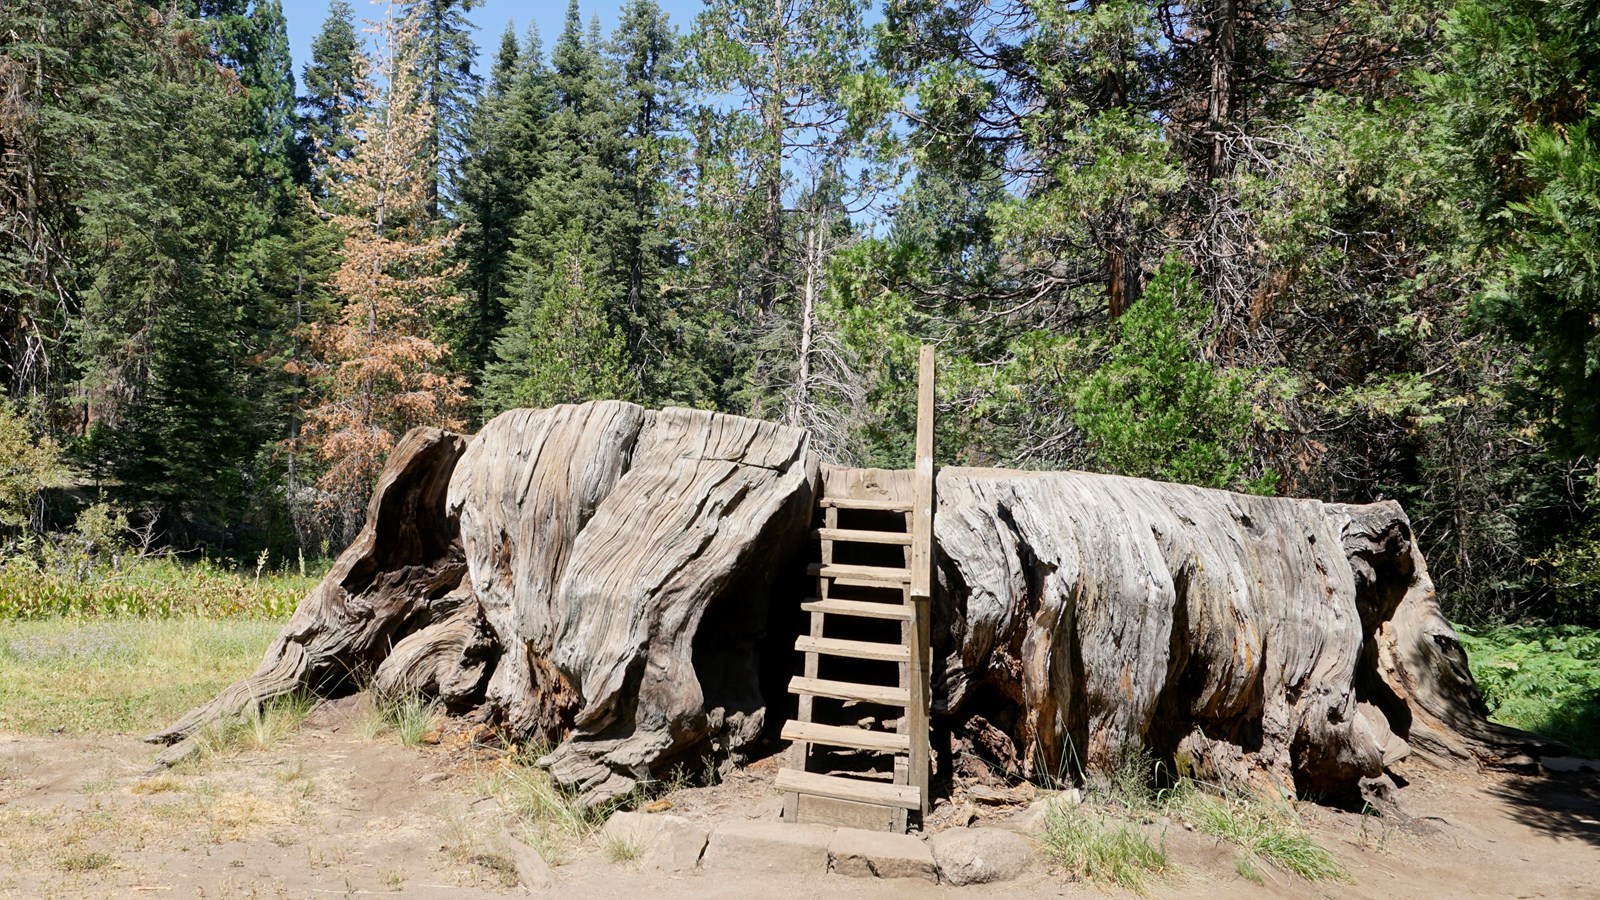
[{"x": 330, "y": 811}]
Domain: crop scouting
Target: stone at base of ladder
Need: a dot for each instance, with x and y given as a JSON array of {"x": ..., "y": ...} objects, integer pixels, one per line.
[
  {"x": 880, "y": 854},
  {"x": 981, "y": 855},
  {"x": 666, "y": 843},
  {"x": 778, "y": 848},
  {"x": 1032, "y": 819}
]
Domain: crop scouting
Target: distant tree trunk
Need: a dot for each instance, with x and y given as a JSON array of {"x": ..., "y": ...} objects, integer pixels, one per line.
[{"x": 1219, "y": 100}]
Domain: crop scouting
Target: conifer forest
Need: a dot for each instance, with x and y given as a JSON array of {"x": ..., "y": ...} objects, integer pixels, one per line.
[{"x": 1337, "y": 249}]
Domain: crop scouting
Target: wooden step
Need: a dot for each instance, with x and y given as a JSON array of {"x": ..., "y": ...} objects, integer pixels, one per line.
[
  {"x": 873, "y": 505},
  {"x": 864, "y": 575},
  {"x": 856, "y": 536},
  {"x": 898, "y": 795},
  {"x": 864, "y": 609},
  {"x": 853, "y": 649},
  {"x": 846, "y": 736},
  {"x": 849, "y": 690}
]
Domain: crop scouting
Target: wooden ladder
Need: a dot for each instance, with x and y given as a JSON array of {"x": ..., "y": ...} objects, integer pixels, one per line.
[{"x": 896, "y": 511}]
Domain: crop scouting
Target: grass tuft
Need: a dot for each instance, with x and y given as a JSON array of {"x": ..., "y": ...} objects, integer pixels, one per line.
[
  {"x": 258, "y": 728},
  {"x": 84, "y": 862},
  {"x": 411, "y": 716},
  {"x": 620, "y": 850},
  {"x": 547, "y": 817},
  {"x": 1092, "y": 847},
  {"x": 1260, "y": 828}
]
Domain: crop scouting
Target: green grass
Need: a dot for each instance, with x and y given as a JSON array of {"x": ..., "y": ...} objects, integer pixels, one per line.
[
  {"x": 152, "y": 588},
  {"x": 1262, "y": 830},
  {"x": 411, "y": 716},
  {"x": 258, "y": 728},
  {"x": 1541, "y": 679},
  {"x": 1095, "y": 848},
  {"x": 110, "y": 676}
]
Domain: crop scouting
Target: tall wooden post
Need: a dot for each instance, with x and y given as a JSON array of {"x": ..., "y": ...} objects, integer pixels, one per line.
[{"x": 922, "y": 579}]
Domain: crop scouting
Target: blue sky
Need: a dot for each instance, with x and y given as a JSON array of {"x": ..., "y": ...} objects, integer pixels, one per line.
[{"x": 305, "y": 18}]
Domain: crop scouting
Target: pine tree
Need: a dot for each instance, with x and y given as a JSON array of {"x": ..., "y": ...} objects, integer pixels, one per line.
[
  {"x": 330, "y": 88},
  {"x": 376, "y": 371},
  {"x": 801, "y": 102},
  {"x": 506, "y": 139},
  {"x": 649, "y": 110},
  {"x": 251, "y": 37},
  {"x": 561, "y": 346},
  {"x": 444, "y": 54}
]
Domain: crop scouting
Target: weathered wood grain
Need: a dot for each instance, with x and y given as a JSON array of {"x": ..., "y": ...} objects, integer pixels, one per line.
[
  {"x": 1085, "y": 617},
  {"x": 597, "y": 577},
  {"x": 397, "y": 576}
]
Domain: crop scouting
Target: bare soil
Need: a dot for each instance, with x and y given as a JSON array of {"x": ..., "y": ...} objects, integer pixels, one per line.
[{"x": 330, "y": 811}]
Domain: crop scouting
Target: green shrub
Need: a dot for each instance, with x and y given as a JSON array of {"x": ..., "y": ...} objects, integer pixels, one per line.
[
  {"x": 1541, "y": 679},
  {"x": 34, "y": 588},
  {"x": 28, "y": 464}
]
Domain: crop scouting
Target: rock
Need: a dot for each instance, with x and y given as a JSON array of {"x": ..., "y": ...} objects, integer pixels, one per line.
[
  {"x": 533, "y": 873},
  {"x": 663, "y": 842},
  {"x": 777, "y": 848},
  {"x": 980, "y": 855},
  {"x": 433, "y": 778},
  {"x": 1032, "y": 819},
  {"x": 879, "y": 854}
]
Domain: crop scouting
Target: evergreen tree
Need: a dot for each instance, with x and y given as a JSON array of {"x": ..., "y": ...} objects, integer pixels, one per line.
[
  {"x": 506, "y": 141},
  {"x": 561, "y": 346},
  {"x": 649, "y": 111},
  {"x": 1155, "y": 408},
  {"x": 1520, "y": 112},
  {"x": 251, "y": 38},
  {"x": 444, "y": 54},
  {"x": 802, "y": 119},
  {"x": 330, "y": 87}
]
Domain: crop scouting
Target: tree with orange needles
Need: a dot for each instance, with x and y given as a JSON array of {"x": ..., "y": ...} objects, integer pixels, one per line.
[{"x": 377, "y": 372}]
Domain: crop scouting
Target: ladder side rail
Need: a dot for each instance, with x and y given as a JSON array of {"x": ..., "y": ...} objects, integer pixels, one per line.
[{"x": 921, "y": 588}]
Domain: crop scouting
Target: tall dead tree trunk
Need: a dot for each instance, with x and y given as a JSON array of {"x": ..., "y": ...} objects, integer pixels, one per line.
[{"x": 598, "y": 576}]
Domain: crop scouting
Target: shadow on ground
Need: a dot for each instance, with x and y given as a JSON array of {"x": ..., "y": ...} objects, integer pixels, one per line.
[{"x": 1563, "y": 804}]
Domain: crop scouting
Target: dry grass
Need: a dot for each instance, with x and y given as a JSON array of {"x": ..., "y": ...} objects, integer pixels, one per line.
[{"x": 544, "y": 815}]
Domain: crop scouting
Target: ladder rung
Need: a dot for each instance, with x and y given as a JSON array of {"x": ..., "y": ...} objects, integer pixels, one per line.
[
  {"x": 859, "y": 503},
  {"x": 898, "y": 795},
  {"x": 862, "y": 574},
  {"x": 846, "y": 736},
  {"x": 864, "y": 609},
  {"x": 856, "y": 536},
  {"x": 848, "y": 690},
  {"x": 855, "y": 649}
]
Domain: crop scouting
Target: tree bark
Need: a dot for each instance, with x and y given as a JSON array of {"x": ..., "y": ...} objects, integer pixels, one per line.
[
  {"x": 598, "y": 577},
  {"x": 1279, "y": 643}
]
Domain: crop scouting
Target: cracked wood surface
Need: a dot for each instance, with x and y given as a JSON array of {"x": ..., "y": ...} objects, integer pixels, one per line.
[{"x": 597, "y": 577}]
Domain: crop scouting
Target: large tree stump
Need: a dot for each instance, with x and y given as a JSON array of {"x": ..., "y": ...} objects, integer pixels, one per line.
[
  {"x": 1282, "y": 643},
  {"x": 596, "y": 578},
  {"x": 566, "y": 580}
]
